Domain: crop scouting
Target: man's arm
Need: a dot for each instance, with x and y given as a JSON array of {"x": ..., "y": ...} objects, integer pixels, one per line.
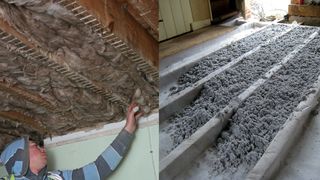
[{"x": 108, "y": 161}]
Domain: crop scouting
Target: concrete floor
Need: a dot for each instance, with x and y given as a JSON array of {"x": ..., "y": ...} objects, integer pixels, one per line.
[
  {"x": 303, "y": 161},
  {"x": 188, "y": 40}
]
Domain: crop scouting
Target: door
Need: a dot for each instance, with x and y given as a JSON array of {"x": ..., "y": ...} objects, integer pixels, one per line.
[{"x": 175, "y": 18}]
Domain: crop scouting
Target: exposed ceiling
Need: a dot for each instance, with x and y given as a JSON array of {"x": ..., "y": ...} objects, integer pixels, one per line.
[
  {"x": 146, "y": 13},
  {"x": 64, "y": 66}
]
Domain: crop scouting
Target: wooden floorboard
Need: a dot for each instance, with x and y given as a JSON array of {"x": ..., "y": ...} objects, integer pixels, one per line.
[{"x": 304, "y": 10}]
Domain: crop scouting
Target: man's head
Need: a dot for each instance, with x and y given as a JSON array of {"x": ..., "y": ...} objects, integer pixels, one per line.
[{"x": 37, "y": 157}]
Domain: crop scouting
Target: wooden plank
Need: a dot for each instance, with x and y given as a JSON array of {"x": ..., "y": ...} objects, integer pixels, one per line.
[
  {"x": 304, "y": 10},
  {"x": 114, "y": 15},
  {"x": 201, "y": 24},
  {"x": 162, "y": 30},
  {"x": 26, "y": 120},
  {"x": 295, "y": 1},
  {"x": 166, "y": 12},
  {"x": 200, "y": 10},
  {"x": 210, "y": 10},
  {"x": 146, "y": 13},
  {"x": 9, "y": 29},
  {"x": 178, "y": 16},
  {"x": 187, "y": 14},
  {"x": 26, "y": 95}
]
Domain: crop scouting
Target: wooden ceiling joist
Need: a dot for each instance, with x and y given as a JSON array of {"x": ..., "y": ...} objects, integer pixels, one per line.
[
  {"x": 146, "y": 13},
  {"x": 10, "y": 30},
  {"x": 25, "y": 94},
  {"x": 25, "y": 120},
  {"x": 113, "y": 14}
]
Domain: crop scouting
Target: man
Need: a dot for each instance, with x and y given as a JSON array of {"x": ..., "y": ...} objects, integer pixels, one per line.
[{"x": 23, "y": 159}]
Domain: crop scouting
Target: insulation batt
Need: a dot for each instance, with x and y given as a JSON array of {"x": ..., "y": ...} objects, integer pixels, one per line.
[
  {"x": 73, "y": 102},
  {"x": 223, "y": 56}
]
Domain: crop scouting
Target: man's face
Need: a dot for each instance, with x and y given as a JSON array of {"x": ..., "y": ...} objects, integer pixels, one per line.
[{"x": 38, "y": 156}]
